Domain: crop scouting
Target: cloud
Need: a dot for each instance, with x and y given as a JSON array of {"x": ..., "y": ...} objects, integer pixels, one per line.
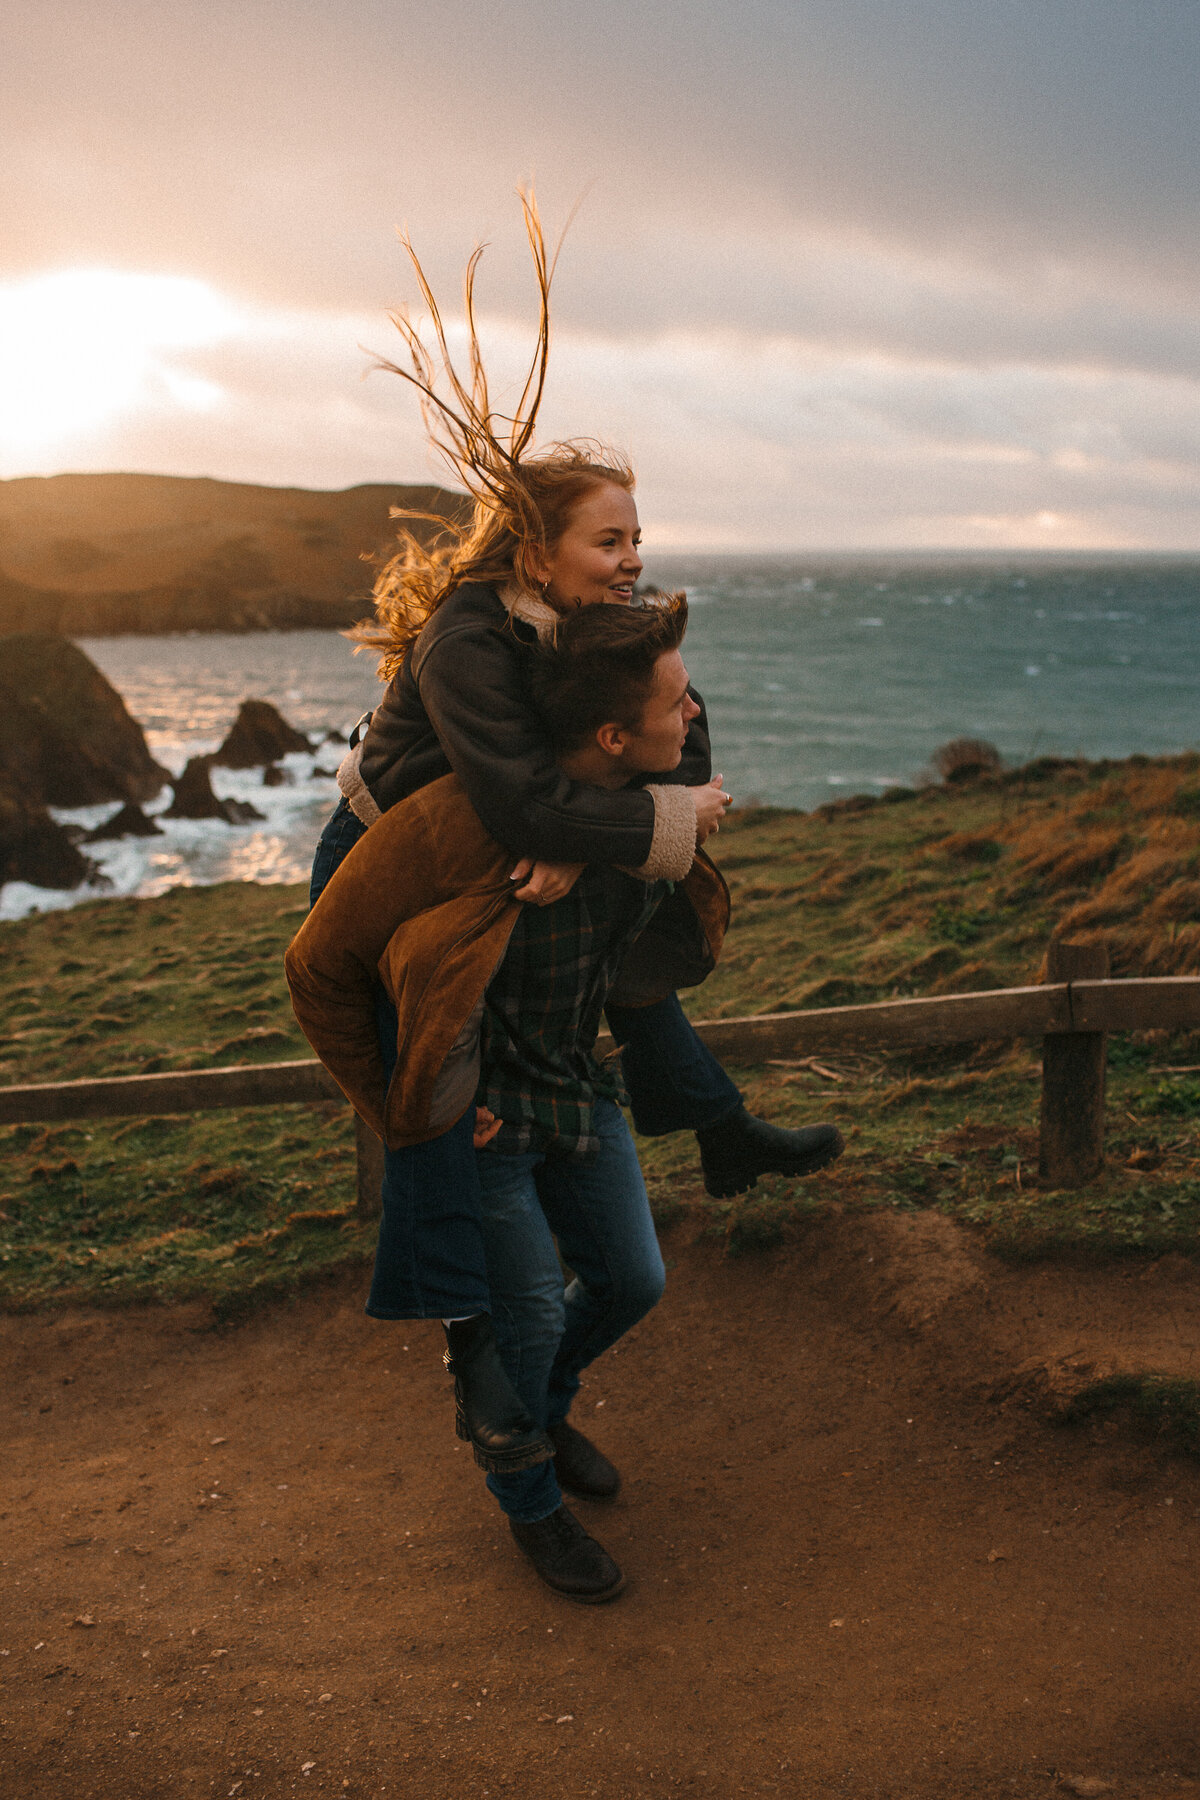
[
  {"x": 739, "y": 438},
  {"x": 850, "y": 270}
]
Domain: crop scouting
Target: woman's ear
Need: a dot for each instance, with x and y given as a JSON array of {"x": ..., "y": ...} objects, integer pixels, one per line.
[{"x": 537, "y": 569}]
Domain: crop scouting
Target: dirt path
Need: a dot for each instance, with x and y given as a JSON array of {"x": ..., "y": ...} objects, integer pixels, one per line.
[{"x": 254, "y": 1562}]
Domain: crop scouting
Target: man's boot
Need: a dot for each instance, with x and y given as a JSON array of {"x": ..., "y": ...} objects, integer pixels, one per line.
[
  {"x": 568, "y": 1559},
  {"x": 737, "y": 1150},
  {"x": 489, "y": 1413},
  {"x": 580, "y": 1466}
]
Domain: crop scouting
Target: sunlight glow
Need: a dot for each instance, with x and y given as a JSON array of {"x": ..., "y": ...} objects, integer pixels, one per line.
[{"x": 80, "y": 347}]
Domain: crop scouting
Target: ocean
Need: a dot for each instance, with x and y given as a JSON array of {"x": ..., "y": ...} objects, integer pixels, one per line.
[{"x": 822, "y": 676}]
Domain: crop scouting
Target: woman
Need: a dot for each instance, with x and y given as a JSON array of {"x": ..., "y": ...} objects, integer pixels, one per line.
[{"x": 458, "y": 622}]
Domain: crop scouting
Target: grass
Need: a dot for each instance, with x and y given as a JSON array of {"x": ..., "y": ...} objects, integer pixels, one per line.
[
  {"x": 940, "y": 891},
  {"x": 219, "y": 1205}
]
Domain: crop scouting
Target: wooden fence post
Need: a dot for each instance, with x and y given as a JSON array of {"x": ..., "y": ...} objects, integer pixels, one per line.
[
  {"x": 1073, "y": 1075},
  {"x": 368, "y": 1153}
]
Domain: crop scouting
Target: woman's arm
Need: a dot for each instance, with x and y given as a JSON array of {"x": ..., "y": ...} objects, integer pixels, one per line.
[{"x": 472, "y": 685}]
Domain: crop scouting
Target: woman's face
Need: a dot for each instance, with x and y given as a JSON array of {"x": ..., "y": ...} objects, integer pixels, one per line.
[{"x": 596, "y": 558}]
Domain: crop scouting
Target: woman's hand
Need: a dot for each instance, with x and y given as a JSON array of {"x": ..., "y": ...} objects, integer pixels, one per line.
[
  {"x": 710, "y": 803},
  {"x": 486, "y": 1127},
  {"x": 545, "y": 882}
]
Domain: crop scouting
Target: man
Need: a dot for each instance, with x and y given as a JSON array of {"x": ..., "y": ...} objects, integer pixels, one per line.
[{"x": 560, "y": 1176}]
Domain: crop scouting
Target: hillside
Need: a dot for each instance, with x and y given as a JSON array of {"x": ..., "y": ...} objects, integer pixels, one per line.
[
  {"x": 947, "y": 889},
  {"x": 96, "y": 555}
]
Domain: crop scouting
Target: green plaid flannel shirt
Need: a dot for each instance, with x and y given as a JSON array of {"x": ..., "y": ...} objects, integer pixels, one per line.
[{"x": 542, "y": 1008}]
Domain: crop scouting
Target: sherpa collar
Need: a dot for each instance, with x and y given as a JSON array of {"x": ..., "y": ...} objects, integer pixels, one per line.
[{"x": 529, "y": 609}]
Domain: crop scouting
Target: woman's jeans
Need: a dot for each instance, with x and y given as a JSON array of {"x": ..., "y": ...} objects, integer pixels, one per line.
[
  {"x": 596, "y": 1208},
  {"x": 430, "y": 1261}
]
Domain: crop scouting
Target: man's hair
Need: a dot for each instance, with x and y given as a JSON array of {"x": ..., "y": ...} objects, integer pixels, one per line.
[{"x": 599, "y": 668}]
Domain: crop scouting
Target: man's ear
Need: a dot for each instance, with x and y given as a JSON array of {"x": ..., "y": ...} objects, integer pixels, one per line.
[{"x": 612, "y": 739}]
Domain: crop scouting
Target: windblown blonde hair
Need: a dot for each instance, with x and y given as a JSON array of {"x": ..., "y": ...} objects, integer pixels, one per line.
[{"x": 522, "y": 499}]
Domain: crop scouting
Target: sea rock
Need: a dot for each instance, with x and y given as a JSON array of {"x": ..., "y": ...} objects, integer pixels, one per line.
[
  {"x": 276, "y": 776},
  {"x": 131, "y": 821},
  {"x": 66, "y": 737},
  {"x": 194, "y": 798},
  {"x": 241, "y": 812},
  {"x": 260, "y": 734},
  {"x": 33, "y": 847}
]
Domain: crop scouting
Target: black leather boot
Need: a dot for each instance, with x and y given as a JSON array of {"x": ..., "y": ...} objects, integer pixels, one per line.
[
  {"x": 567, "y": 1559},
  {"x": 734, "y": 1153},
  {"x": 489, "y": 1413}
]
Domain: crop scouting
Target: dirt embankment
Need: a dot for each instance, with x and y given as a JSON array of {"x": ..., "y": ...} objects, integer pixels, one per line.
[{"x": 862, "y": 1559}]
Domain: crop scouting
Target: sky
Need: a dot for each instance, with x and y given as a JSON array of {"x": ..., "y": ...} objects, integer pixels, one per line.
[{"x": 844, "y": 274}]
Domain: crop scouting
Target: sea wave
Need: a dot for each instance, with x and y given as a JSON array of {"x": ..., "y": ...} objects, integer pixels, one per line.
[{"x": 198, "y": 852}]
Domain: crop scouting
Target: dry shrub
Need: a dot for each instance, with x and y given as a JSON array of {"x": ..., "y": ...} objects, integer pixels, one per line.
[
  {"x": 944, "y": 960},
  {"x": 840, "y": 879},
  {"x": 974, "y": 977},
  {"x": 1153, "y": 789},
  {"x": 1054, "y": 855},
  {"x": 966, "y": 759},
  {"x": 853, "y": 803},
  {"x": 1177, "y": 903},
  {"x": 1105, "y": 908},
  {"x": 835, "y": 990},
  {"x": 970, "y": 846},
  {"x": 1156, "y": 883},
  {"x": 1172, "y": 953}
]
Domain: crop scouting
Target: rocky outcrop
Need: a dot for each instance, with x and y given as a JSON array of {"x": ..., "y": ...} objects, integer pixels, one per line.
[
  {"x": 66, "y": 737},
  {"x": 194, "y": 798},
  {"x": 33, "y": 847},
  {"x": 130, "y": 821},
  {"x": 94, "y": 555},
  {"x": 258, "y": 736}
]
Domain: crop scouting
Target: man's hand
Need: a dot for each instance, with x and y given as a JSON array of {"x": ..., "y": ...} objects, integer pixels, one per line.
[
  {"x": 486, "y": 1127},
  {"x": 545, "y": 882},
  {"x": 710, "y": 803}
]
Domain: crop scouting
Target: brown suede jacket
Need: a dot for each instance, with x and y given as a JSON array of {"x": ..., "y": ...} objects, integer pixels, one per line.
[{"x": 424, "y": 904}]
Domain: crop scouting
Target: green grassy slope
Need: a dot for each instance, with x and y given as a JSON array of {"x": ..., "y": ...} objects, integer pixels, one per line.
[{"x": 946, "y": 890}]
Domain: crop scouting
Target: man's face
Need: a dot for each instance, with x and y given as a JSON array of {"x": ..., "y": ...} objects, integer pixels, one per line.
[{"x": 657, "y": 744}]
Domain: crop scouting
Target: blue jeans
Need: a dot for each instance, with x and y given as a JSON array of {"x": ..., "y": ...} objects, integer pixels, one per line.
[
  {"x": 429, "y": 1261},
  {"x": 674, "y": 1084},
  {"x": 341, "y": 833},
  {"x": 596, "y": 1208}
]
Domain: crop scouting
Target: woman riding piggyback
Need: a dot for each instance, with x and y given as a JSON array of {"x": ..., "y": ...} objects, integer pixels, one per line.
[{"x": 459, "y": 616}]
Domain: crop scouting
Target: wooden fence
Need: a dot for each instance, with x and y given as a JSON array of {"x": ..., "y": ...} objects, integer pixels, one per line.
[{"x": 1072, "y": 1013}]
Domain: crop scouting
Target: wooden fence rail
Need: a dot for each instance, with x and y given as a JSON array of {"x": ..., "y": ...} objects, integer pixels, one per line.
[{"x": 1072, "y": 1016}]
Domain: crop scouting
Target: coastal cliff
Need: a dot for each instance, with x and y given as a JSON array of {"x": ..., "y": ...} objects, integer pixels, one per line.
[{"x": 99, "y": 555}]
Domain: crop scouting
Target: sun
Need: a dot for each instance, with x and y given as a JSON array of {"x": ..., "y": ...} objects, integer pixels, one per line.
[{"x": 81, "y": 347}]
